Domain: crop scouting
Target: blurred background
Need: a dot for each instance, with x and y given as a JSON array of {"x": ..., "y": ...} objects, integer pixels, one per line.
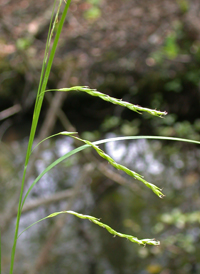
[{"x": 144, "y": 52}]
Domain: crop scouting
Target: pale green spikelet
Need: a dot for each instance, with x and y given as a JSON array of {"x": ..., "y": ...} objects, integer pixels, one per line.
[
  {"x": 97, "y": 222},
  {"x": 113, "y": 100},
  {"x": 108, "y": 228},
  {"x": 131, "y": 173}
]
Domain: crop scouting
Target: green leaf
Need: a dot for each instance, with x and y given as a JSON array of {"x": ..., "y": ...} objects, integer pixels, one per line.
[
  {"x": 64, "y": 157},
  {"x": 46, "y": 68}
]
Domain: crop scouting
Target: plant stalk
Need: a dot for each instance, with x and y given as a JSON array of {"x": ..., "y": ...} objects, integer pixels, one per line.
[{"x": 39, "y": 101}]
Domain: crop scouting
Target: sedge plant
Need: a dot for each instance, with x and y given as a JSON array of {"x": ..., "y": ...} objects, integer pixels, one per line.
[{"x": 54, "y": 32}]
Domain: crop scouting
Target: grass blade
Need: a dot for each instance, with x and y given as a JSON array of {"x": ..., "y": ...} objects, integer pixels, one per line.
[
  {"x": 59, "y": 160},
  {"x": 39, "y": 100},
  {"x": 64, "y": 157}
]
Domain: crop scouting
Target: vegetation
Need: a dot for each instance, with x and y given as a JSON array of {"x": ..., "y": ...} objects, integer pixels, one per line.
[{"x": 171, "y": 50}]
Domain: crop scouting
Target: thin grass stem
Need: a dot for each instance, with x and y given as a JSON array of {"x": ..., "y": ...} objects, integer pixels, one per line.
[{"x": 39, "y": 100}]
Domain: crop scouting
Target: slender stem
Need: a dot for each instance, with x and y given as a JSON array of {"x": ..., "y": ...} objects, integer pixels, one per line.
[{"x": 36, "y": 114}]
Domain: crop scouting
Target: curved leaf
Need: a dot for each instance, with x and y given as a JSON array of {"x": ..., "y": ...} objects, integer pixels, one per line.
[{"x": 98, "y": 143}]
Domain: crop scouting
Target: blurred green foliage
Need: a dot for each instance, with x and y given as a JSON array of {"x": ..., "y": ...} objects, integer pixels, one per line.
[{"x": 94, "y": 12}]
